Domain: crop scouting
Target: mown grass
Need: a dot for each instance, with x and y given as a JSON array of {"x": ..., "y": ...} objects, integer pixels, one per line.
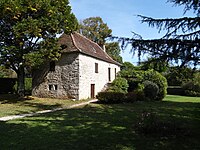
[
  {"x": 105, "y": 127},
  {"x": 177, "y": 98},
  {"x": 12, "y": 105}
]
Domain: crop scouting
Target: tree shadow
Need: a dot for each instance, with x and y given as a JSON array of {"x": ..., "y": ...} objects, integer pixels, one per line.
[
  {"x": 24, "y": 105},
  {"x": 100, "y": 127},
  {"x": 12, "y": 98}
]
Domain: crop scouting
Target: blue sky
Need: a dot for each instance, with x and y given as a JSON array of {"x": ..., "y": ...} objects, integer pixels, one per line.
[{"x": 121, "y": 16}]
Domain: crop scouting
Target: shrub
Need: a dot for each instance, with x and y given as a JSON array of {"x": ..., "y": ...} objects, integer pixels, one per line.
[
  {"x": 175, "y": 90},
  {"x": 134, "y": 78},
  {"x": 136, "y": 95},
  {"x": 151, "y": 124},
  {"x": 150, "y": 90},
  {"x": 197, "y": 78},
  {"x": 176, "y": 76},
  {"x": 111, "y": 97},
  {"x": 191, "y": 88},
  {"x": 159, "y": 80},
  {"x": 119, "y": 85}
]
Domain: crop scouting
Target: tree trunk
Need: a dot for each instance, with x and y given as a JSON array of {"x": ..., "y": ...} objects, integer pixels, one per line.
[{"x": 20, "y": 81}]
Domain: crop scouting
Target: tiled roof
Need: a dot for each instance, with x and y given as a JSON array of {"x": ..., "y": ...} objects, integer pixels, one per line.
[{"x": 84, "y": 45}]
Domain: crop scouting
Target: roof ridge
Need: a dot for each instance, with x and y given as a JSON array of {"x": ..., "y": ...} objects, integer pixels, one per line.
[
  {"x": 86, "y": 46},
  {"x": 71, "y": 34},
  {"x": 88, "y": 40},
  {"x": 112, "y": 58},
  {"x": 97, "y": 45}
]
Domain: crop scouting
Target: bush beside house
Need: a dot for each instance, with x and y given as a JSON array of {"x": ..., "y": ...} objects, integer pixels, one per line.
[
  {"x": 149, "y": 86},
  {"x": 159, "y": 80}
]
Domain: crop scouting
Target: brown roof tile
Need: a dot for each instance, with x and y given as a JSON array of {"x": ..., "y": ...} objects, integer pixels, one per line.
[{"x": 76, "y": 42}]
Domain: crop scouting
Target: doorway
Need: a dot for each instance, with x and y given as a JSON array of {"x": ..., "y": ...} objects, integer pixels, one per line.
[{"x": 92, "y": 90}]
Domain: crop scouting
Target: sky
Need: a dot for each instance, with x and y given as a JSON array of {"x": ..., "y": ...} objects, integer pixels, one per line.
[{"x": 121, "y": 17}]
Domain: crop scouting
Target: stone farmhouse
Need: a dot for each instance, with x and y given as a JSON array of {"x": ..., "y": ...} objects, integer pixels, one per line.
[{"x": 83, "y": 70}]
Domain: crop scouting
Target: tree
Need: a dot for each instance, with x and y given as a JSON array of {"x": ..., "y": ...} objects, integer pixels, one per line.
[
  {"x": 6, "y": 73},
  {"x": 113, "y": 50},
  {"x": 95, "y": 29},
  {"x": 128, "y": 66},
  {"x": 155, "y": 64},
  {"x": 177, "y": 76},
  {"x": 28, "y": 32},
  {"x": 181, "y": 43}
]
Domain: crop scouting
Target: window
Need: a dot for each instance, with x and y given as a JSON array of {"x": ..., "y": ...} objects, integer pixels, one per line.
[
  {"x": 53, "y": 87},
  {"x": 109, "y": 75},
  {"x": 96, "y": 68},
  {"x": 52, "y": 66}
]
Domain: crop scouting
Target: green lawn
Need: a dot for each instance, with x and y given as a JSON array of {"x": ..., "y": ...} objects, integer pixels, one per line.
[
  {"x": 11, "y": 105},
  {"x": 105, "y": 127},
  {"x": 176, "y": 98}
]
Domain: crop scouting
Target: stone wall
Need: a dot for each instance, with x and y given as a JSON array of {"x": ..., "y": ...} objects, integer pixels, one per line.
[
  {"x": 61, "y": 83},
  {"x": 74, "y": 73}
]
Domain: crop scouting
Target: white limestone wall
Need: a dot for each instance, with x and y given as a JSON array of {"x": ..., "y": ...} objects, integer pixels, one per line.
[{"x": 87, "y": 75}]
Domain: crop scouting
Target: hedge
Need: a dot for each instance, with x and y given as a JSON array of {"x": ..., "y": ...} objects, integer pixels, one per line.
[
  {"x": 111, "y": 97},
  {"x": 175, "y": 90}
]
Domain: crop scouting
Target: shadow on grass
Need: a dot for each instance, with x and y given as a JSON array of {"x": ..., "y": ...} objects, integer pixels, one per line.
[
  {"x": 100, "y": 127},
  {"x": 11, "y": 105},
  {"x": 12, "y": 98}
]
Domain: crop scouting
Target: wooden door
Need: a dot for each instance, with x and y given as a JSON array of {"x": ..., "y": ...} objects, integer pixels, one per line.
[{"x": 92, "y": 90}]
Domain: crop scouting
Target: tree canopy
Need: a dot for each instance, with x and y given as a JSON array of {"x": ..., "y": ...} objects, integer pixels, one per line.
[
  {"x": 113, "y": 50},
  {"x": 95, "y": 29},
  {"x": 180, "y": 44},
  {"x": 28, "y": 32}
]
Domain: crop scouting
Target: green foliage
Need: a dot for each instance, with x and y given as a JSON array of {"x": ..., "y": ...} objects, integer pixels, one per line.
[
  {"x": 159, "y": 80},
  {"x": 176, "y": 76},
  {"x": 6, "y": 73},
  {"x": 150, "y": 90},
  {"x": 119, "y": 85},
  {"x": 95, "y": 29},
  {"x": 191, "y": 88},
  {"x": 28, "y": 32},
  {"x": 127, "y": 66},
  {"x": 2, "y": 73},
  {"x": 132, "y": 74},
  {"x": 155, "y": 64},
  {"x": 196, "y": 78},
  {"x": 113, "y": 50},
  {"x": 179, "y": 45},
  {"x": 134, "y": 78},
  {"x": 175, "y": 90},
  {"x": 137, "y": 95},
  {"x": 111, "y": 97},
  {"x": 29, "y": 22},
  {"x": 28, "y": 86}
]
